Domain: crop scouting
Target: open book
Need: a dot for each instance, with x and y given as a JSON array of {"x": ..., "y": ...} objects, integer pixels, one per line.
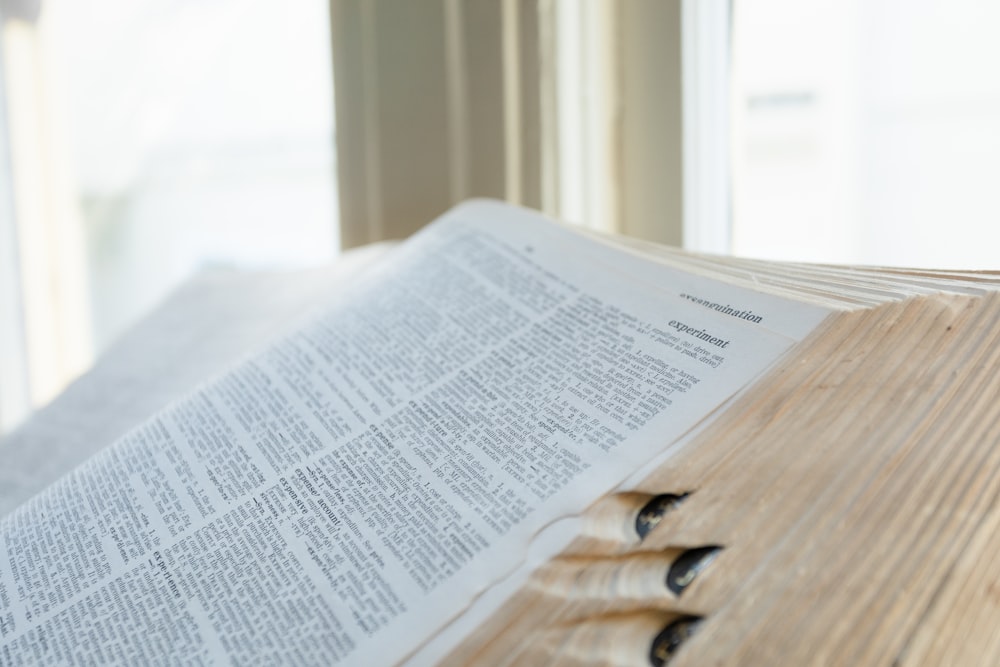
[{"x": 513, "y": 442}]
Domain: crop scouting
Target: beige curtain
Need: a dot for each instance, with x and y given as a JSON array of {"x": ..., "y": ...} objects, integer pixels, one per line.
[{"x": 570, "y": 107}]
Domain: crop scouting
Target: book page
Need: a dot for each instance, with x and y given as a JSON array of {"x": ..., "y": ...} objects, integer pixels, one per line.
[
  {"x": 345, "y": 493},
  {"x": 202, "y": 329}
]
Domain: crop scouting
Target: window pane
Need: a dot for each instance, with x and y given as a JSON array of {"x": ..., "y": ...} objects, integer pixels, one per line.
[
  {"x": 867, "y": 132},
  {"x": 202, "y": 137}
]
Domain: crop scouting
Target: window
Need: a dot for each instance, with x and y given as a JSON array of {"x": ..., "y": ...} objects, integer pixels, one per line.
[
  {"x": 149, "y": 140},
  {"x": 867, "y": 132}
]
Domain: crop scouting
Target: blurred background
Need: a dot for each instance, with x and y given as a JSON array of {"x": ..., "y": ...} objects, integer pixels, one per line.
[{"x": 143, "y": 141}]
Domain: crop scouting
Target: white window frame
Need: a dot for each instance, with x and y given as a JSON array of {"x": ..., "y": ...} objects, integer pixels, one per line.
[
  {"x": 46, "y": 341},
  {"x": 14, "y": 396}
]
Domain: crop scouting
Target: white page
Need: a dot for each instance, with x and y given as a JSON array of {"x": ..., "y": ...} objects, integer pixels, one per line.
[
  {"x": 346, "y": 493},
  {"x": 792, "y": 320},
  {"x": 201, "y": 330}
]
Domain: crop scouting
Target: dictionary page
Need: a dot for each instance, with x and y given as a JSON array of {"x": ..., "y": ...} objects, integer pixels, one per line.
[
  {"x": 344, "y": 494},
  {"x": 202, "y": 329},
  {"x": 792, "y": 319}
]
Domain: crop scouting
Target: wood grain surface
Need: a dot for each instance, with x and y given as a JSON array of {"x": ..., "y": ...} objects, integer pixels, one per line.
[{"x": 852, "y": 493}]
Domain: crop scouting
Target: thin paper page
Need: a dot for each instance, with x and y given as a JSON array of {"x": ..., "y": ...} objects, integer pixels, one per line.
[
  {"x": 204, "y": 328},
  {"x": 341, "y": 496}
]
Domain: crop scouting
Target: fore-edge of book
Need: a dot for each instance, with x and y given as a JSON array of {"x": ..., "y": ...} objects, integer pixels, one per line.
[{"x": 513, "y": 442}]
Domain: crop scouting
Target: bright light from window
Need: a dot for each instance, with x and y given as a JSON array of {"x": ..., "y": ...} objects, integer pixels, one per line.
[
  {"x": 867, "y": 132},
  {"x": 203, "y": 137}
]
